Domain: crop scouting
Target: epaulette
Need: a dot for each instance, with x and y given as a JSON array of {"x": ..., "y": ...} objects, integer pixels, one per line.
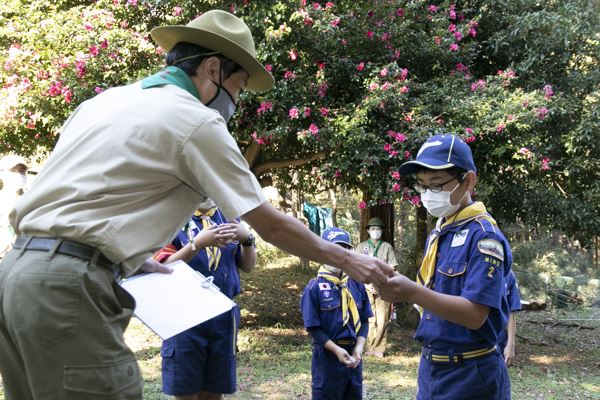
[
  {"x": 486, "y": 224},
  {"x": 311, "y": 283}
]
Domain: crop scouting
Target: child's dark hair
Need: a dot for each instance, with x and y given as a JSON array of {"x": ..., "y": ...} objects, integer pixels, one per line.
[{"x": 189, "y": 66}]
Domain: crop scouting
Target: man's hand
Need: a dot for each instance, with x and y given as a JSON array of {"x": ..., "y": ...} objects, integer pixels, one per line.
[
  {"x": 398, "y": 289},
  {"x": 366, "y": 269},
  {"x": 151, "y": 265},
  {"x": 240, "y": 232}
]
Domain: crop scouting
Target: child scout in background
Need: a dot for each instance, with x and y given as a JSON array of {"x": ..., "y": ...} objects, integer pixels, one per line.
[
  {"x": 460, "y": 288},
  {"x": 200, "y": 363},
  {"x": 336, "y": 313},
  {"x": 382, "y": 310},
  {"x": 506, "y": 341}
]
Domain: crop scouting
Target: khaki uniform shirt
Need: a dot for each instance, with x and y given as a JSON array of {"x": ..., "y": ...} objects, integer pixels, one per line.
[
  {"x": 129, "y": 170},
  {"x": 385, "y": 253}
]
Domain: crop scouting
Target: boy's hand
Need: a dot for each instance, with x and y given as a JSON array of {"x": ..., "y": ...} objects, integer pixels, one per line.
[
  {"x": 215, "y": 236},
  {"x": 240, "y": 232},
  {"x": 345, "y": 358},
  {"x": 398, "y": 289},
  {"x": 357, "y": 354},
  {"x": 509, "y": 354}
]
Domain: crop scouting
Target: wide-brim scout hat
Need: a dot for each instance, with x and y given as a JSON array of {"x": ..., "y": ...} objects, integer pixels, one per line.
[
  {"x": 441, "y": 152},
  {"x": 221, "y": 31},
  {"x": 337, "y": 235},
  {"x": 375, "y": 221},
  {"x": 11, "y": 161}
]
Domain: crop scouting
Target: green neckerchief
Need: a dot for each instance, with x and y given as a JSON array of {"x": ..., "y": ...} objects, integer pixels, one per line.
[
  {"x": 376, "y": 247},
  {"x": 172, "y": 76}
]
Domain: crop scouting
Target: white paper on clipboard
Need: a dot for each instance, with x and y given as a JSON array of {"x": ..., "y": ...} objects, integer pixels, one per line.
[{"x": 172, "y": 303}]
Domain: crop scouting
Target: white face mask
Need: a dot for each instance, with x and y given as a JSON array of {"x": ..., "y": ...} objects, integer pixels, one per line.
[
  {"x": 332, "y": 269},
  {"x": 438, "y": 204},
  {"x": 375, "y": 234}
]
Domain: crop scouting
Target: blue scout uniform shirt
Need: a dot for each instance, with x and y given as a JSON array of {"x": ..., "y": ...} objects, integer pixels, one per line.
[
  {"x": 466, "y": 267},
  {"x": 514, "y": 303},
  {"x": 321, "y": 307},
  {"x": 226, "y": 275}
]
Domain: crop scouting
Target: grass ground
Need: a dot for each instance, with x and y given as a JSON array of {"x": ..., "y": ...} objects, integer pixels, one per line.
[{"x": 558, "y": 357}]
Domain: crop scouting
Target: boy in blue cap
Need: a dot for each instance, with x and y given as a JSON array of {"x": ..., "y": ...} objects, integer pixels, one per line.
[
  {"x": 336, "y": 313},
  {"x": 460, "y": 288}
]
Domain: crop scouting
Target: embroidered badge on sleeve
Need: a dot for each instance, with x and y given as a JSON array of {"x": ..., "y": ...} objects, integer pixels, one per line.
[{"x": 491, "y": 247}]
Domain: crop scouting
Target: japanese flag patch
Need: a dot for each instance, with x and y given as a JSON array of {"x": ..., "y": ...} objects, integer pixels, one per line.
[
  {"x": 491, "y": 247},
  {"x": 324, "y": 286}
]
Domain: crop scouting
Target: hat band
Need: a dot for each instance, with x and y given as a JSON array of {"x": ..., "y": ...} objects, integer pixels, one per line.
[{"x": 194, "y": 56}]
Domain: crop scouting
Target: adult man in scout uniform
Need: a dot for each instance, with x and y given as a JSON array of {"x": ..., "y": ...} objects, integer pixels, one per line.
[
  {"x": 378, "y": 324},
  {"x": 126, "y": 159},
  {"x": 335, "y": 310},
  {"x": 460, "y": 288}
]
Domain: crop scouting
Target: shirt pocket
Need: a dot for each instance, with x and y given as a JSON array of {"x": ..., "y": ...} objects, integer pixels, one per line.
[
  {"x": 330, "y": 302},
  {"x": 450, "y": 277}
]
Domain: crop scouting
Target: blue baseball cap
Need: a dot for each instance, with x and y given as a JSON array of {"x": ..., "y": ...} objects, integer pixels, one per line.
[
  {"x": 337, "y": 235},
  {"x": 441, "y": 152}
]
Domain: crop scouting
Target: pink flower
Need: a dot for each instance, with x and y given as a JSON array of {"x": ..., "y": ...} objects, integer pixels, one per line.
[
  {"x": 67, "y": 94},
  {"x": 176, "y": 11},
  {"x": 403, "y": 74},
  {"x": 88, "y": 27},
  {"x": 545, "y": 163},
  {"x": 383, "y": 72},
  {"x": 472, "y": 32},
  {"x": 438, "y": 40},
  {"x": 289, "y": 75},
  {"x": 306, "y": 112},
  {"x": 269, "y": 67},
  {"x": 370, "y": 34},
  {"x": 396, "y": 187},
  {"x": 525, "y": 151},
  {"x": 451, "y": 28},
  {"x": 362, "y": 205},
  {"x": 500, "y": 128},
  {"x": 386, "y": 36},
  {"x": 416, "y": 200},
  {"x": 337, "y": 174},
  {"x": 548, "y": 92},
  {"x": 453, "y": 47},
  {"x": 387, "y": 147},
  {"x": 313, "y": 129},
  {"x": 480, "y": 84},
  {"x": 469, "y": 131},
  {"x": 55, "y": 89},
  {"x": 329, "y": 4},
  {"x": 94, "y": 51},
  {"x": 373, "y": 86},
  {"x": 394, "y": 153},
  {"x": 132, "y": 2},
  {"x": 293, "y": 55},
  {"x": 264, "y": 107},
  {"x": 452, "y": 12},
  {"x": 404, "y": 89},
  {"x": 360, "y": 66},
  {"x": 322, "y": 92},
  {"x": 335, "y": 22},
  {"x": 541, "y": 112},
  {"x": 525, "y": 103},
  {"x": 399, "y": 12},
  {"x": 104, "y": 44},
  {"x": 433, "y": 8},
  {"x": 469, "y": 139},
  {"x": 406, "y": 154},
  {"x": 324, "y": 111},
  {"x": 395, "y": 175},
  {"x": 458, "y": 36},
  {"x": 98, "y": 90},
  {"x": 293, "y": 113},
  {"x": 316, "y": 6}
]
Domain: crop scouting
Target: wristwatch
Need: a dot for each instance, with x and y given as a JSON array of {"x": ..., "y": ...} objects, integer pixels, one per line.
[{"x": 248, "y": 242}]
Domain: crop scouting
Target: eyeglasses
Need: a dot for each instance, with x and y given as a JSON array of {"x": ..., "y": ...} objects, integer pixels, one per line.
[{"x": 439, "y": 187}]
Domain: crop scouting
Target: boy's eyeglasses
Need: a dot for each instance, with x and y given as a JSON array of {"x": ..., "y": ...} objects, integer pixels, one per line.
[{"x": 437, "y": 188}]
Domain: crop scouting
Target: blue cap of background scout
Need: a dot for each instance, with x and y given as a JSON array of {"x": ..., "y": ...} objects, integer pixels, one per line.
[
  {"x": 441, "y": 152},
  {"x": 337, "y": 235}
]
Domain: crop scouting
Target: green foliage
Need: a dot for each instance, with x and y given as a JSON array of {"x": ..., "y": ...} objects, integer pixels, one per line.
[{"x": 360, "y": 85}]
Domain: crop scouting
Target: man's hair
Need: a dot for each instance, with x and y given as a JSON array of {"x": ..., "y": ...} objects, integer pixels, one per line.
[{"x": 189, "y": 66}]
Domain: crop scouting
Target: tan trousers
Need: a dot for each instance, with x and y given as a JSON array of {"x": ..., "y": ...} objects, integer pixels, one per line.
[
  {"x": 377, "y": 339},
  {"x": 61, "y": 330}
]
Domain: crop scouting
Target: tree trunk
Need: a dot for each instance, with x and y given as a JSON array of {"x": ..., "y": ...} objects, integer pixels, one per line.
[{"x": 333, "y": 198}]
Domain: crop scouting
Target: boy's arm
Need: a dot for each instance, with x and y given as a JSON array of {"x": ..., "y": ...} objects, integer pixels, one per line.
[
  {"x": 509, "y": 350},
  {"x": 455, "y": 309},
  {"x": 341, "y": 354}
]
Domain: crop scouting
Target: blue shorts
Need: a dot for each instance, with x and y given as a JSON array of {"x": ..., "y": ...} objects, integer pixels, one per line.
[
  {"x": 332, "y": 380},
  {"x": 484, "y": 378},
  {"x": 202, "y": 358}
]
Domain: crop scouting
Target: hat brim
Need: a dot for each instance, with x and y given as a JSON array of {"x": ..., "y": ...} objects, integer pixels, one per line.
[
  {"x": 409, "y": 168},
  {"x": 343, "y": 242},
  {"x": 259, "y": 79}
]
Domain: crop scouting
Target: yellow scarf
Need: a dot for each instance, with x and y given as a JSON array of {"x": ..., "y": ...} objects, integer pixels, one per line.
[
  {"x": 348, "y": 303},
  {"x": 472, "y": 212},
  {"x": 213, "y": 253}
]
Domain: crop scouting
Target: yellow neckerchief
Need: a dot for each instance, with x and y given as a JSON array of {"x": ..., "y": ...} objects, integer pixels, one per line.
[
  {"x": 348, "y": 303},
  {"x": 213, "y": 253},
  {"x": 472, "y": 212}
]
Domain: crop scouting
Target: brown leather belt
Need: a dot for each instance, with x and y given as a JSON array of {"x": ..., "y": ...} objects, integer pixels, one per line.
[{"x": 69, "y": 248}]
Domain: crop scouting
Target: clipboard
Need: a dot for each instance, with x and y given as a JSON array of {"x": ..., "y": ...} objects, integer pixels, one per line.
[{"x": 169, "y": 304}]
